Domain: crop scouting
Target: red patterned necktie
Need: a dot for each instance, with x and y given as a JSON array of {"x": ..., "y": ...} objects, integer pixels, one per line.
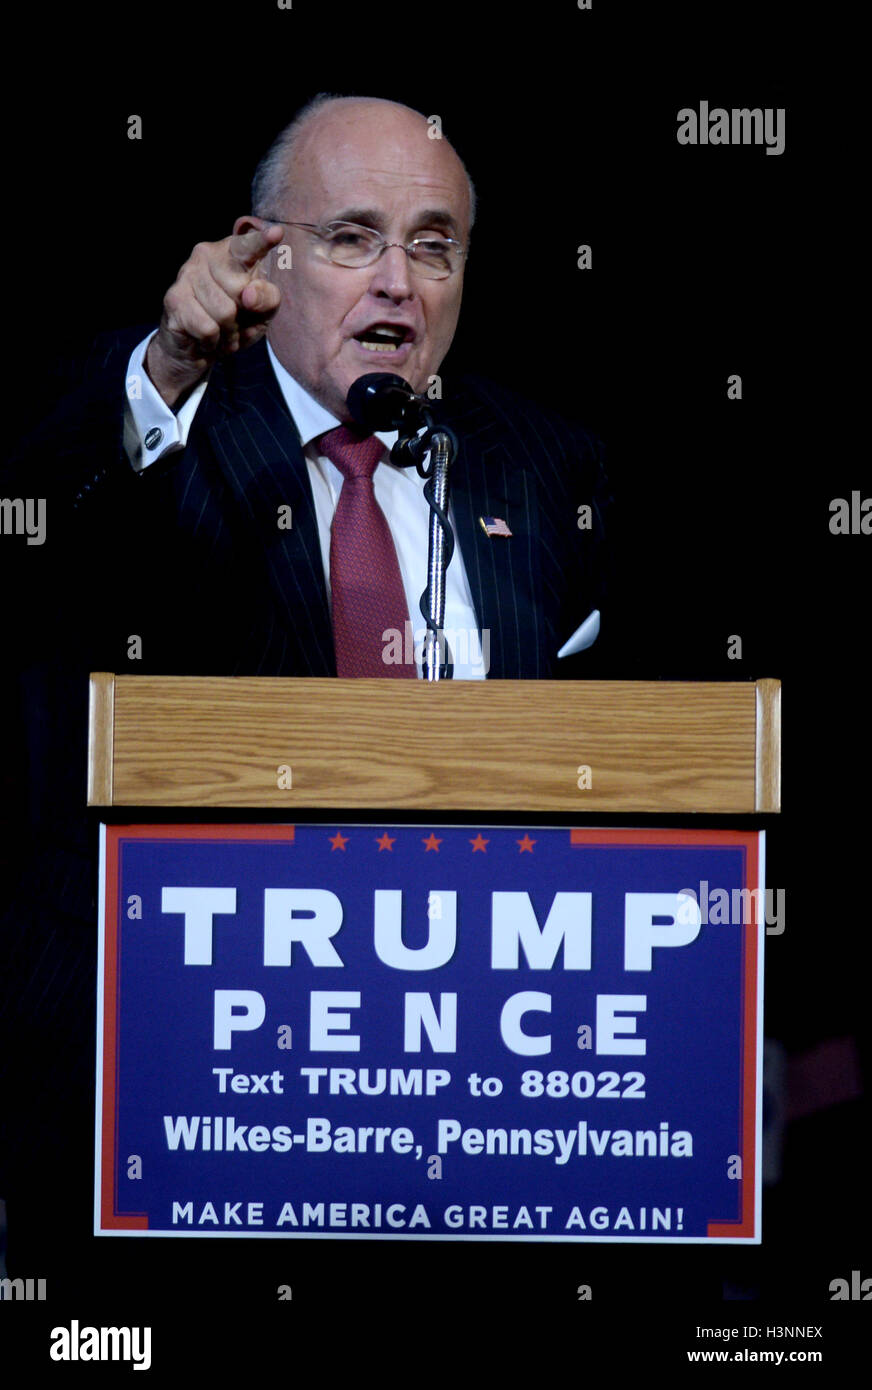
[{"x": 367, "y": 587}]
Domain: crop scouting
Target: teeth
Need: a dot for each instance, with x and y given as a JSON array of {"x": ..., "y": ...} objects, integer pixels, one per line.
[{"x": 378, "y": 347}]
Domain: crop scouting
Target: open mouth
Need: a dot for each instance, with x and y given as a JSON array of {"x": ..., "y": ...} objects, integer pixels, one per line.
[{"x": 384, "y": 337}]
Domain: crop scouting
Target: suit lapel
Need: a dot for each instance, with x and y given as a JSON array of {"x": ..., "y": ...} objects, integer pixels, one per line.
[
  {"x": 258, "y": 450},
  {"x": 503, "y": 574}
]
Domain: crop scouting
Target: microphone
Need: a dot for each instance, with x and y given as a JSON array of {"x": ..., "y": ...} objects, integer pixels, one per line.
[{"x": 383, "y": 401}]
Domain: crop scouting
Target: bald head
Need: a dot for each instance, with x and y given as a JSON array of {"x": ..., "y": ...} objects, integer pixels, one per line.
[{"x": 330, "y": 118}]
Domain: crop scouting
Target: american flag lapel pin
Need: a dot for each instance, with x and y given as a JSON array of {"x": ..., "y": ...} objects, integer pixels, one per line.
[{"x": 493, "y": 526}]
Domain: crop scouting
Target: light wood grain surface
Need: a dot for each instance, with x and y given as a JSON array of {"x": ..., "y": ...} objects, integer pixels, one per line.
[{"x": 655, "y": 746}]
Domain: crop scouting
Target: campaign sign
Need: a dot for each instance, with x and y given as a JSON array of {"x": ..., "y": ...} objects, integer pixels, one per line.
[{"x": 430, "y": 1033}]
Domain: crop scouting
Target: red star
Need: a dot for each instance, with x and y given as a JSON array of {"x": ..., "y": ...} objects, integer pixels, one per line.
[
  {"x": 479, "y": 844},
  {"x": 431, "y": 843},
  {"x": 339, "y": 841},
  {"x": 526, "y": 844},
  {"x": 385, "y": 841}
]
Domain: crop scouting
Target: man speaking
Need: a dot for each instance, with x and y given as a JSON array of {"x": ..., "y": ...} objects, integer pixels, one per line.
[{"x": 249, "y": 527}]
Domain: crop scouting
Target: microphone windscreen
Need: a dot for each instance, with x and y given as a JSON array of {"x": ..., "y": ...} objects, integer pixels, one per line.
[{"x": 378, "y": 401}]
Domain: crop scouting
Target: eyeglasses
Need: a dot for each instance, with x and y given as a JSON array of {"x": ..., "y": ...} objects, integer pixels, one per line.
[{"x": 345, "y": 243}]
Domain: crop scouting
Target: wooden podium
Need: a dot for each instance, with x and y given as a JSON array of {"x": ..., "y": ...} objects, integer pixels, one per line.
[
  {"x": 547, "y": 962},
  {"x": 284, "y": 744}
]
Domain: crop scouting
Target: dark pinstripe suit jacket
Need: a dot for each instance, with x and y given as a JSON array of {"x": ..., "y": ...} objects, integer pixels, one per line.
[{"x": 189, "y": 557}]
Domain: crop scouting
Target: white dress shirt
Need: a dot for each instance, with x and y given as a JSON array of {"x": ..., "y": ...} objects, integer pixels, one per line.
[{"x": 152, "y": 430}]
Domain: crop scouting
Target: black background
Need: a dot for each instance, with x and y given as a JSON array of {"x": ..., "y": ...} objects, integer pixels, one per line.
[{"x": 707, "y": 261}]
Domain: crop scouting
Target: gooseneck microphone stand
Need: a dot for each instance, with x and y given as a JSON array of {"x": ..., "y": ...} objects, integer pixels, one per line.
[
  {"x": 441, "y": 443},
  {"x": 382, "y": 401}
]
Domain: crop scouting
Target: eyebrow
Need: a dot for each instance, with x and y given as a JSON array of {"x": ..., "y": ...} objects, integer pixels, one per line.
[{"x": 371, "y": 217}]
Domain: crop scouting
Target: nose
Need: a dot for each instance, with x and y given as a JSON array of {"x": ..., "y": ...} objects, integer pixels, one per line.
[{"x": 392, "y": 275}]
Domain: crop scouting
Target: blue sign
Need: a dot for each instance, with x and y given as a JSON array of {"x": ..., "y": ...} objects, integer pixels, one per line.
[{"x": 430, "y": 1033}]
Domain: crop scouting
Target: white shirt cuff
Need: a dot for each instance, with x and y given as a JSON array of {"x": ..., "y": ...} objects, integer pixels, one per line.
[{"x": 151, "y": 428}]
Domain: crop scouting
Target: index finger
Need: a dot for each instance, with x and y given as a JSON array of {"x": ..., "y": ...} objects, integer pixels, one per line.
[{"x": 247, "y": 248}]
